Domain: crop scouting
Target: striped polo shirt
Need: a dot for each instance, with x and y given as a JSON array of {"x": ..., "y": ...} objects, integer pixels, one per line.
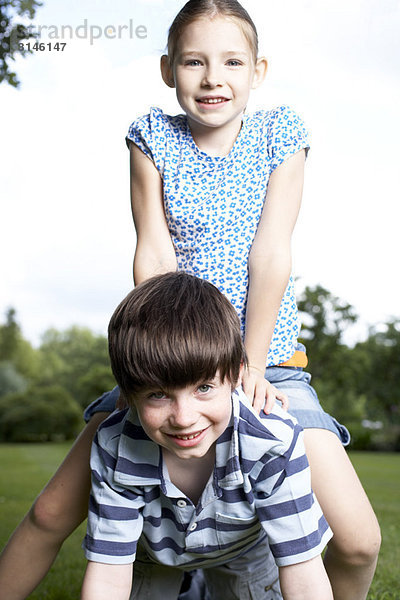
[{"x": 260, "y": 486}]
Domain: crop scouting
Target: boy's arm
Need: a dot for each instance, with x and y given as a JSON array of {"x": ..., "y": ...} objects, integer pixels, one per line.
[
  {"x": 305, "y": 581},
  {"x": 103, "y": 582}
]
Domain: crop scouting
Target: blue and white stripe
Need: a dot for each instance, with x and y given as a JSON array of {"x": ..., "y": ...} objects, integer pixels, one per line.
[{"x": 260, "y": 486}]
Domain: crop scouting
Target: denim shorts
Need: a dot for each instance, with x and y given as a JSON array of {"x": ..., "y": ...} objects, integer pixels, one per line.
[
  {"x": 251, "y": 576},
  {"x": 303, "y": 401}
]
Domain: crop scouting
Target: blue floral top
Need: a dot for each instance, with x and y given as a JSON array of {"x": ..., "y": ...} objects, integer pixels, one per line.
[{"x": 213, "y": 204}]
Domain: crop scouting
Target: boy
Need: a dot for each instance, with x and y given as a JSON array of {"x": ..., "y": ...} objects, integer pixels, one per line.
[{"x": 189, "y": 476}]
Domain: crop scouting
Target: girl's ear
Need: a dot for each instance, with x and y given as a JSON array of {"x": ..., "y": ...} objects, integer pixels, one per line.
[
  {"x": 166, "y": 71},
  {"x": 260, "y": 72}
]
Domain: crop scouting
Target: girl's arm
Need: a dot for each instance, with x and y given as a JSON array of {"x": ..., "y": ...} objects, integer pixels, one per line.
[
  {"x": 305, "y": 581},
  {"x": 270, "y": 264},
  {"x": 105, "y": 582},
  {"x": 154, "y": 252}
]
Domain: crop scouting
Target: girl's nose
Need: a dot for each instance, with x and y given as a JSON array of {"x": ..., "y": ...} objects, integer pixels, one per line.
[{"x": 212, "y": 78}]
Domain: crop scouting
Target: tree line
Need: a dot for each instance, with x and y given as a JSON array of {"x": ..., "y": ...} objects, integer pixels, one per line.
[{"x": 44, "y": 390}]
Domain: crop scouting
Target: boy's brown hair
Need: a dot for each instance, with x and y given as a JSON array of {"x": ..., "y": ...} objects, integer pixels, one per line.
[{"x": 174, "y": 330}]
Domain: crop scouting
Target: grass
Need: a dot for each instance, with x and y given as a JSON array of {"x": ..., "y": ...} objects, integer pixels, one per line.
[
  {"x": 25, "y": 468},
  {"x": 380, "y": 475}
]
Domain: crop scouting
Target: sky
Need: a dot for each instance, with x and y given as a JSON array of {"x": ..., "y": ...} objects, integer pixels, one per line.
[{"x": 67, "y": 238}]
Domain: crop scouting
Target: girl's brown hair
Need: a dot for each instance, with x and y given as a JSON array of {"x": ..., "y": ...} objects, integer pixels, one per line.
[
  {"x": 196, "y": 9},
  {"x": 174, "y": 330}
]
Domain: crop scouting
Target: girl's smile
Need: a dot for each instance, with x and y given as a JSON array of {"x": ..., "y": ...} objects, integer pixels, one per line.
[{"x": 207, "y": 102}]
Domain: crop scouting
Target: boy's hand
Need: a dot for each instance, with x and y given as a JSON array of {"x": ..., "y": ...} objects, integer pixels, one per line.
[{"x": 260, "y": 392}]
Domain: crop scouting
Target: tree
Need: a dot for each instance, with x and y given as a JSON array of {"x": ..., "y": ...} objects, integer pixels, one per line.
[
  {"x": 380, "y": 356},
  {"x": 95, "y": 382},
  {"x": 10, "y": 380},
  {"x": 13, "y": 34},
  {"x": 10, "y": 335},
  {"x": 39, "y": 415},
  {"x": 325, "y": 319},
  {"x": 15, "y": 349},
  {"x": 68, "y": 356}
]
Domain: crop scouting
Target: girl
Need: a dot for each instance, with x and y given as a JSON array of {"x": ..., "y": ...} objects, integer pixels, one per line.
[{"x": 216, "y": 192}]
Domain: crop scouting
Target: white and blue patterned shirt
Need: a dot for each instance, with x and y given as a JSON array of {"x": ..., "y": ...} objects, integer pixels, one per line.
[
  {"x": 213, "y": 204},
  {"x": 260, "y": 486}
]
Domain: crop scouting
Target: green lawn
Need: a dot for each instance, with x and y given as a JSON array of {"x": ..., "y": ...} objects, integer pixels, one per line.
[
  {"x": 26, "y": 468},
  {"x": 380, "y": 475}
]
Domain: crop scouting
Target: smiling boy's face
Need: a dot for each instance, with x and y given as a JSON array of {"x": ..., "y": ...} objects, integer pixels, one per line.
[{"x": 186, "y": 421}]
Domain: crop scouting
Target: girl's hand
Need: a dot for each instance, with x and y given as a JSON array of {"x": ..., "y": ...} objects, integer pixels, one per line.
[{"x": 260, "y": 392}]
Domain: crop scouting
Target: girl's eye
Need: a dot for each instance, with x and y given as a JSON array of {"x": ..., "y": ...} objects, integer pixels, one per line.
[
  {"x": 193, "y": 63},
  {"x": 204, "y": 388}
]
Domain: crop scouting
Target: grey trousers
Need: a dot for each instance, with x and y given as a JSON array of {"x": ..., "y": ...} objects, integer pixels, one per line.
[{"x": 252, "y": 576}]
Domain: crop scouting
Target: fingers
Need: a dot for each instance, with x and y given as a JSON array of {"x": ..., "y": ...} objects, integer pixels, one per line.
[
  {"x": 273, "y": 394},
  {"x": 248, "y": 385},
  {"x": 261, "y": 393},
  {"x": 270, "y": 398},
  {"x": 283, "y": 399},
  {"x": 259, "y": 397}
]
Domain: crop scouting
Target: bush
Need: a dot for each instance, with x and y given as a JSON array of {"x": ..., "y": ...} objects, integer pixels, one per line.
[
  {"x": 39, "y": 414},
  {"x": 361, "y": 437},
  {"x": 385, "y": 439},
  {"x": 94, "y": 383}
]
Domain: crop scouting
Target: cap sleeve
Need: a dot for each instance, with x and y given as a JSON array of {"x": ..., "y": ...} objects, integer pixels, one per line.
[
  {"x": 148, "y": 133},
  {"x": 286, "y": 135}
]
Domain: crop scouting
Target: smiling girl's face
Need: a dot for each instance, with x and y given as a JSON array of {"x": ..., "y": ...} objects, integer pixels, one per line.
[{"x": 213, "y": 72}]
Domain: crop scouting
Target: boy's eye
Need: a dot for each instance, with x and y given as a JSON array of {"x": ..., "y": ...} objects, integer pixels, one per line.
[
  {"x": 234, "y": 63},
  {"x": 204, "y": 388},
  {"x": 157, "y": 395}
]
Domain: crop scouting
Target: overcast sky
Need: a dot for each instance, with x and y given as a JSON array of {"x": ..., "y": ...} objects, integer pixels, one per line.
[{"x": 67, "y": 239}]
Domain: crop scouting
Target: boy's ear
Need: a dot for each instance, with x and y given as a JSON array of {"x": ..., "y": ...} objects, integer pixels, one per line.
[
  {"x": 166, "y": 71},
  {"x": 260, "y": 72}
]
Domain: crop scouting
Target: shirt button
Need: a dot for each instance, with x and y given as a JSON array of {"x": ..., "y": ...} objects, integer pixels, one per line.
[
  {"x": 193, "y": 527},
  {"x": 181, "y": 503}
]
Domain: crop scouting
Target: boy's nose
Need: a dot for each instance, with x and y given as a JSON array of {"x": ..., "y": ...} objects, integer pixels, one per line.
[{"x": 183, "y": 415}]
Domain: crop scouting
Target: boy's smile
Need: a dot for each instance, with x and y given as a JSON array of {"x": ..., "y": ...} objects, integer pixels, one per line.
[{"x": 186, "y": 421}]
